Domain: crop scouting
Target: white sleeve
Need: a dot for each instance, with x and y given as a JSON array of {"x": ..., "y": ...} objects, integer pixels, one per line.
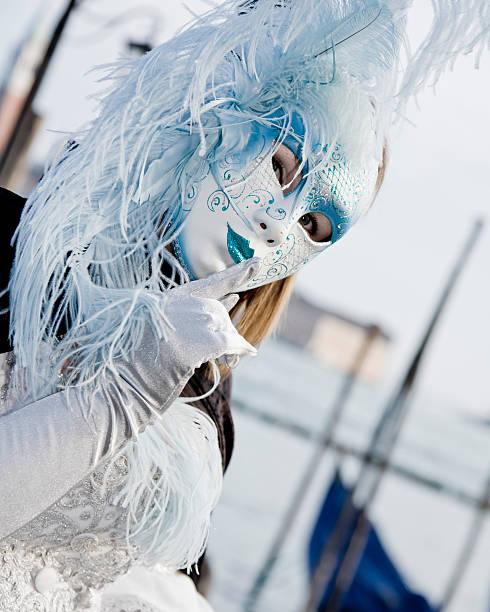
[{"x": 49, "y": 446}]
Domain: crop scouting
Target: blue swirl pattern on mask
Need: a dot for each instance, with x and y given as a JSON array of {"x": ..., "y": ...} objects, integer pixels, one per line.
[
  {"x": 336, "y": 192},
  {"x": 259, "y": 197},
  {"x": 275, "y": 213},
  {"x": 193, "y": 187},
  {"x": 218, "y": 199}
]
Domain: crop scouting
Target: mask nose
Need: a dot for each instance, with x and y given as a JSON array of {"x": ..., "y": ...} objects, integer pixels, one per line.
[{"x": 271, "y": 225}]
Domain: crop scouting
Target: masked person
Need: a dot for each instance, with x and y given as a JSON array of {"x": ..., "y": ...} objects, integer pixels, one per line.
[{"x": 219, "y": 164}]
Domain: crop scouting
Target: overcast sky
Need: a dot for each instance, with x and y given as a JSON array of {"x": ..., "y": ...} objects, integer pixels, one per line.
[{"x": 391, "y": 268}]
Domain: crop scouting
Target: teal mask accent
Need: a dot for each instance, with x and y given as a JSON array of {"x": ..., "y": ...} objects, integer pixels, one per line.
[{"x": 238, "y": 247}]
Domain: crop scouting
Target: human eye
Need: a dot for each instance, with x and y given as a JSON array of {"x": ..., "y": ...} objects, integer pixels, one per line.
[
  {"x": 317, "y": 226},
  {"x": 285, "y": 165},
  {"x": 278, "y": 170}
]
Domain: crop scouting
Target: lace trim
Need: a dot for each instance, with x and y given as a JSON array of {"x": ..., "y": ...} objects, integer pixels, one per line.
[
  {"x": 57, "y": 561},
  {"x": 128, "y": 603}
]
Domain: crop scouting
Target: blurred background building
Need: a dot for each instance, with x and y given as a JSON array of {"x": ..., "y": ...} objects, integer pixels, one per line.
[
  {"x": 332, "y": 338},
  {"x": 17, "y": 81}
]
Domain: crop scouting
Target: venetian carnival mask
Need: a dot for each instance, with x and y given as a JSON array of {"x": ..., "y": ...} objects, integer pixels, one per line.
[{"x": 266, "y": 202}]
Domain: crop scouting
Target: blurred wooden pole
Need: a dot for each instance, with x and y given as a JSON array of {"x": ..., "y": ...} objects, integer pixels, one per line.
[
  {"x": 354, "y": 512},
  {"x": 460, "y": 494},
  {"x": 464, "y": 557},
  {"x": 309, "y": 473},
  {"x": 9, "y": 159}
]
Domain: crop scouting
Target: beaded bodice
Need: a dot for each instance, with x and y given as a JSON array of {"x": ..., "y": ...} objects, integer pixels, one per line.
[{"x": 59, "y": 560}]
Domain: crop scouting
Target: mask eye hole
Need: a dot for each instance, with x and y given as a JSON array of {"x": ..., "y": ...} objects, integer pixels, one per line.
[
  {"x": 285, "y": 165},
  {"x": 317, "y": 226}
]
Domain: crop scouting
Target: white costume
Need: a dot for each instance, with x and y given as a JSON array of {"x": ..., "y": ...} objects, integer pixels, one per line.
[{"x": 104, "y": 469}]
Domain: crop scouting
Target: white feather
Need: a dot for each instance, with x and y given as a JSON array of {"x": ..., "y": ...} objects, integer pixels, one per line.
[{"x": 174, "y": 482}]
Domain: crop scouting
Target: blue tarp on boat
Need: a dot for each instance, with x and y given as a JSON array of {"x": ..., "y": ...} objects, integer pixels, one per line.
[{"x": 377, "y": 584}]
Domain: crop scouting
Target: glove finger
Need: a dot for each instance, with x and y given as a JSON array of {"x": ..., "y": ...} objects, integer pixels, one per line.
[
  {"x": 231, "y": 343},
  {"x": 230, "y": 301},
  {"x": 227, "y": 281},
  {"x": 230, "y": 361}
]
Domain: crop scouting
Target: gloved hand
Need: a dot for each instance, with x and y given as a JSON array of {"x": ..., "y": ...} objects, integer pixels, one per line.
[
  {"x": 53, "y": 443},
  {"x": 198, "y": 329}
]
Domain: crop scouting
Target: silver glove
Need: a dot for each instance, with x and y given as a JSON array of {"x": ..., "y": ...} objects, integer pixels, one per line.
[
  {"x": 50, "y": 445},
  {"x": 198, "y": 330}
]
